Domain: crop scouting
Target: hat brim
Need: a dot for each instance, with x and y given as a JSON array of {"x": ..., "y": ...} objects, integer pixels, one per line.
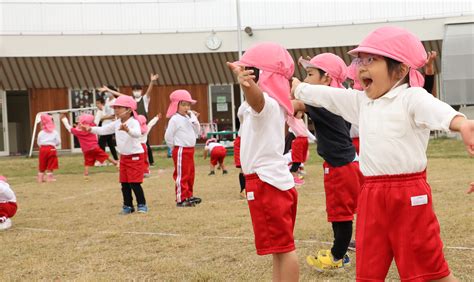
[
  {"x": 306, "y": 64},
  {"x": 369, "y": 50}
]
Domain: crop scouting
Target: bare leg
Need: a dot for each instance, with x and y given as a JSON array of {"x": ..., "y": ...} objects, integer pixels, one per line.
[
  {"x": 112, "y": 161},
  {"x": 286, "y": 267}
]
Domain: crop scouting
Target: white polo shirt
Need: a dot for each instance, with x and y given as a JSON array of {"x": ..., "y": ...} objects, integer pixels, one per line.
[
  {"x": 263, "y": 142},
  {"x": 182, "y": 131},
  {"x": 108, "y": 110},
  {"x": 213, "y": 145},
  {"x": 6, "y": 193},
  {"x": 150, "y": 124},
  {"x": 394, "y": 129},
  {"x": 128, "y": 143},
  {"x": 48, "y": 138}
]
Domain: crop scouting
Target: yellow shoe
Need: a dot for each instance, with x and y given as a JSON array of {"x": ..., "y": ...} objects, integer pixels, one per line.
[{"x": 324, "y": 261}]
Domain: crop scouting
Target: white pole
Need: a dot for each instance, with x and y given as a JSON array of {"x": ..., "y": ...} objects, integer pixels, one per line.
[{"x": 239, "y": 42}]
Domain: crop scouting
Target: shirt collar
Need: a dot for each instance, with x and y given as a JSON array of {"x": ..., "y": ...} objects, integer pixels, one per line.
[{"x": 394, "y": 92}]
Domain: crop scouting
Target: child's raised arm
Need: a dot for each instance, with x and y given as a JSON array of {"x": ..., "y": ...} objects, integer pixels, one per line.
[
  {"x": 253, "y": 94},
  {"x": 65, "y": 122},
  {"x": 115, "y": 93},
  {"x": 153, "y": 78}
]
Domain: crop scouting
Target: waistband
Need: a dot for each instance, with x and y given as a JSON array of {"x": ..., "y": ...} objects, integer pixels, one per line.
[
  {"x": 185, "y": 148},
  {"x": 130, "y": 156},
  {"x": 48, "y": 146},
  {"x": 395, "y": 177},
  {"x": 251, "y": 176}
]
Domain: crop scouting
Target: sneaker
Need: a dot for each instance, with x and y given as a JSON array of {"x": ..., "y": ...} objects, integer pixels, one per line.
[
  {"x": 5, "y": 223},
  {"x": 224, "y": 171},
  {"x": 298, "y": 181},
  {"x": 211, "y": 173},
  {"x": 142, "y": 209},
  {"x": 324, "y": 261},
  {"x": 185, "y": 204},
  {"x": 352, "y": 245},
  {"x": 50, "y": 177},
  {"x": 346, "y": 260},
  {"x": 127, "y": 210},
  {"x": 195, "y": 200}
]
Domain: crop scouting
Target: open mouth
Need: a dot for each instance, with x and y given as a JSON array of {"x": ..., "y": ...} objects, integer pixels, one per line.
[{"x": 367, "y": 82}]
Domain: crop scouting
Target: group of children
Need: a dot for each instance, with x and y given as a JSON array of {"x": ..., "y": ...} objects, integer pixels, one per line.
[
  {"x": 386, "y": 184},
  {"x": 394, "y": 116}
]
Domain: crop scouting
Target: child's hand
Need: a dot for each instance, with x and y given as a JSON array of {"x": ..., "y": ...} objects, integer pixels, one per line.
[
  {"x": 299, "y": 114},
  {"x": 429, "y": 62},
  {"x": 104, "y": 88},
  {"x": 195, "y": 113},
  {"x": 294, "y": 83},
  {"x": 123, "y": 127},
  {"x": 467, "y": 134},
  {"x": 471, "y": 189},
  {"x": 243, "y": 76},
  {"x": 154, "y": 77}
]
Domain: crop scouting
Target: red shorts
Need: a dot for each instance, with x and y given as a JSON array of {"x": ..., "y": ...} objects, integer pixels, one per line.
[
  {"x": 355, "y": 142},
  {"x": 237, "y": 152},
  {"x": 218, "y": 155},
  {"x": 8, "y": 209},
  {"x": 131, "y": 168},
  {"x": 273, "y": 214},
  {"x": 396, "y": 220},
  {"x": 96, "y": 154},
  {"x": 299, "y": 149},
  {"x": 48, "y": 158},
  {"x": 342, "y": 186}
]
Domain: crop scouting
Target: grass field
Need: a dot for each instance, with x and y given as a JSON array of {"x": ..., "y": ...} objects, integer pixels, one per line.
[{"x": 71, "y": 230}]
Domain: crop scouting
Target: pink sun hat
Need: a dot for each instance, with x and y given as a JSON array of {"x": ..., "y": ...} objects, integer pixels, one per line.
[
  {"x": 398, "y": 44},
  {"x": 210, "y": 140},
  {"x": 126, "y": 102},
  {"x": 142, "y": 120},
  {"x": 47, "y": 123},
  {"x": 332, "y": 64},
  {"x": 86, "y": 119},
  {"x": 277, "y": 68},
  {"x": 3, "y": 178},
  {"x": 176, "y": 97}
]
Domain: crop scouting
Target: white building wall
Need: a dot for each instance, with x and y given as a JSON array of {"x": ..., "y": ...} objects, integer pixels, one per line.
[{"x": 160, "y": 16}]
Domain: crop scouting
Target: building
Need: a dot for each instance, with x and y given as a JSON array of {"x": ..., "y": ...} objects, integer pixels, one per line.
[{"x": 51, "y": 51}]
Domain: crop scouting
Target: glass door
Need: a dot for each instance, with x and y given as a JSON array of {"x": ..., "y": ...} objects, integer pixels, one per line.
[
  {"x": 222, "y": 107},
  {"x": 3, "y": 125}
]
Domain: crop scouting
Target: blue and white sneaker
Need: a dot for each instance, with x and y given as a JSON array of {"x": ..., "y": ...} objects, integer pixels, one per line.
[
  {"x": 142, "y": 209},
  {"x": 127, "y": 210},
  {"x": 346, "y": 261}
]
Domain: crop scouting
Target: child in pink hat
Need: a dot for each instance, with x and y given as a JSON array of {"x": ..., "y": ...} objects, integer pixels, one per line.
[
  {"x": 145, "y": 129},
  {"x": 217, "y": 151},
  {"x": 395, "y": 115},
  {"x": 88, "y": 142},
  {"x": 48, "y": 139},
  {"x": 127, "y": 133},
  {"x": 181, "y": 133},
  {"x": 8, "y": 204},
  {"x": 342, "y": 177},
  {"x": 270, "y": 188}
]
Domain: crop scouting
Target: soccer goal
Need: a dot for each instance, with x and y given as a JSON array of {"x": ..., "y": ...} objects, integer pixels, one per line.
[{"x": 56, "y": 119}]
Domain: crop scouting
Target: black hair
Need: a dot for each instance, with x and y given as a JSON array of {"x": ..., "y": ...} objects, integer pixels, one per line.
[
  {"x": 111, "y": 87},
  {"x": 394, "y": 66},
  {"x": 100, "y": 100},
  {"x": 136, "y": 87}
]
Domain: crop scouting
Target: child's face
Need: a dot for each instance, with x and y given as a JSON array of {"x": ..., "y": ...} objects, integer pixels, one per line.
[
  {"x": 99, "y": 105},
  {"x": 184, "y": 107},
  {"x": 120, "y": 111},
  {"x": 374, "y": 76},
  {"x": 314, "y": 77}
]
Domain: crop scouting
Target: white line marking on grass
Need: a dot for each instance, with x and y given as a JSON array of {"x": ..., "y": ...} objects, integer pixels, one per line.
[{"x": 207, "y": 237}]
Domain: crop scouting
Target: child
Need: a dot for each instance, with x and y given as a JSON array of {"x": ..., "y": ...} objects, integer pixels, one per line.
[
  {"x": 342, "y": 177},
  {"x": 8, "y": 204},
  {"x": 181, "y": 133},
  {"x": 145, "y": 130},
  {"x": 395, "y": 116},
  {"x": 107, "y": 118},
  {"x": 88, "y": 142},
  {"x": 127, "y": 133},
  {"x": 48, "y": 140},
  {"x": 299, "y": 145},
  {"x": 271, "y": 193},
  {"x": 217, "y": 152}
]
